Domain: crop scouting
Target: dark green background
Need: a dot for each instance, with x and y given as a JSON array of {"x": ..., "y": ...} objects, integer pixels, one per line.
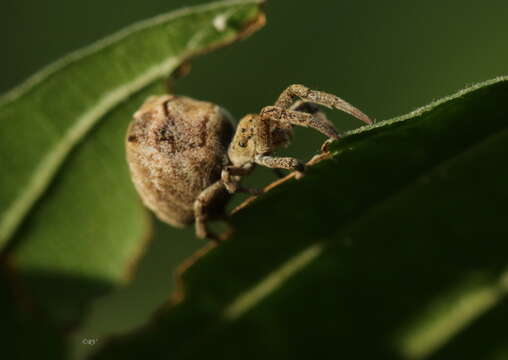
[{"x": 386, "y": 57}]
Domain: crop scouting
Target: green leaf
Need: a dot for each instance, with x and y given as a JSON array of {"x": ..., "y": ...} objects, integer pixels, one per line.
[
  {"x": 64, "y": 174},
  {"x": 89, "y": 228},
  {"x": 47, "y": 116},
  {"x": 392, "y": 247}
]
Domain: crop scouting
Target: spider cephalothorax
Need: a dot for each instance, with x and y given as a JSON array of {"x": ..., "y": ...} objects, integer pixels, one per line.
[{"x": 185, "y": 161}]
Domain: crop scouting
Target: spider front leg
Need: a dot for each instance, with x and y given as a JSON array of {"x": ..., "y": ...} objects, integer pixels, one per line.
[
  {"x": 269, "y": 119},
  {"x": 293, "y": 92},
  {"x": 287, "y": 163},
  {"x": 311, "y": 108},
  {"x": 317, "y": 121},
  {"x": 282, "y": 119}
]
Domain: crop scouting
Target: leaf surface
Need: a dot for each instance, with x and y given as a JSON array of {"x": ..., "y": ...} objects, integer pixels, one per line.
[{"x": 393, "y": 247}]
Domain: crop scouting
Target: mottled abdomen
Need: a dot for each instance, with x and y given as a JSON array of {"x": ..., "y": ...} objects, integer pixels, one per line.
[{"x": 175, "y": 149}]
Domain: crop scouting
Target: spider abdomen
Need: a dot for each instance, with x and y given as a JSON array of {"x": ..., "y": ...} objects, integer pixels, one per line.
[{"x": 176, "y": 148}]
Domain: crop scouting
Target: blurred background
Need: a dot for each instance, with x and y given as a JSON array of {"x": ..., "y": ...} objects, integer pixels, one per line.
[{"x": 385, "y": 57}]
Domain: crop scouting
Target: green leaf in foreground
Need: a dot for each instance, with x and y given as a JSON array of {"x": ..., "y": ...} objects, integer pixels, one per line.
[
  {"x": 46, "y": 117},
  {"x": 392, "y": 248}
]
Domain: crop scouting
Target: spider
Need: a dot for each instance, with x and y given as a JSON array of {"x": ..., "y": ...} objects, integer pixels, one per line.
[{"x": 186, "y": 159}]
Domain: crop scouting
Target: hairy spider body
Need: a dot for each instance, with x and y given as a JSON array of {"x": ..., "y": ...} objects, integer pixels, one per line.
[
  {"x": 185, "y": 161},
  {"x": 175, "y": 149}
]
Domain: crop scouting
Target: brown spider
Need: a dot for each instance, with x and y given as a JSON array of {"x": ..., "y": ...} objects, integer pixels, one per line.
[{"x": 185, "y": 161}]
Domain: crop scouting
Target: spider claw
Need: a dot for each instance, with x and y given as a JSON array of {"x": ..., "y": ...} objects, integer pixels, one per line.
[
  {"x": 299, "y": 175},
  {"x": 351, "y": 110}
]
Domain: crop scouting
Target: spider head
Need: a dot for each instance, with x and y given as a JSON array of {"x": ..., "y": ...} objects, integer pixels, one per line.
[{"x": 243, "y": 147}]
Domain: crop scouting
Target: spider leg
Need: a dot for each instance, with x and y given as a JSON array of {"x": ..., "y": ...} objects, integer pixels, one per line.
[
  {"x": 304, "y": 106},
  {"x": 263, "y": 133},
  {"x": 204, "y": 199},
  {"x": 314, "y": 121},
  {"x": 310, "y": 108},
  {"x": 287, "y": 163},
  {"x": 293, "y": 92},
  {"x": 275, "y": 114}
]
